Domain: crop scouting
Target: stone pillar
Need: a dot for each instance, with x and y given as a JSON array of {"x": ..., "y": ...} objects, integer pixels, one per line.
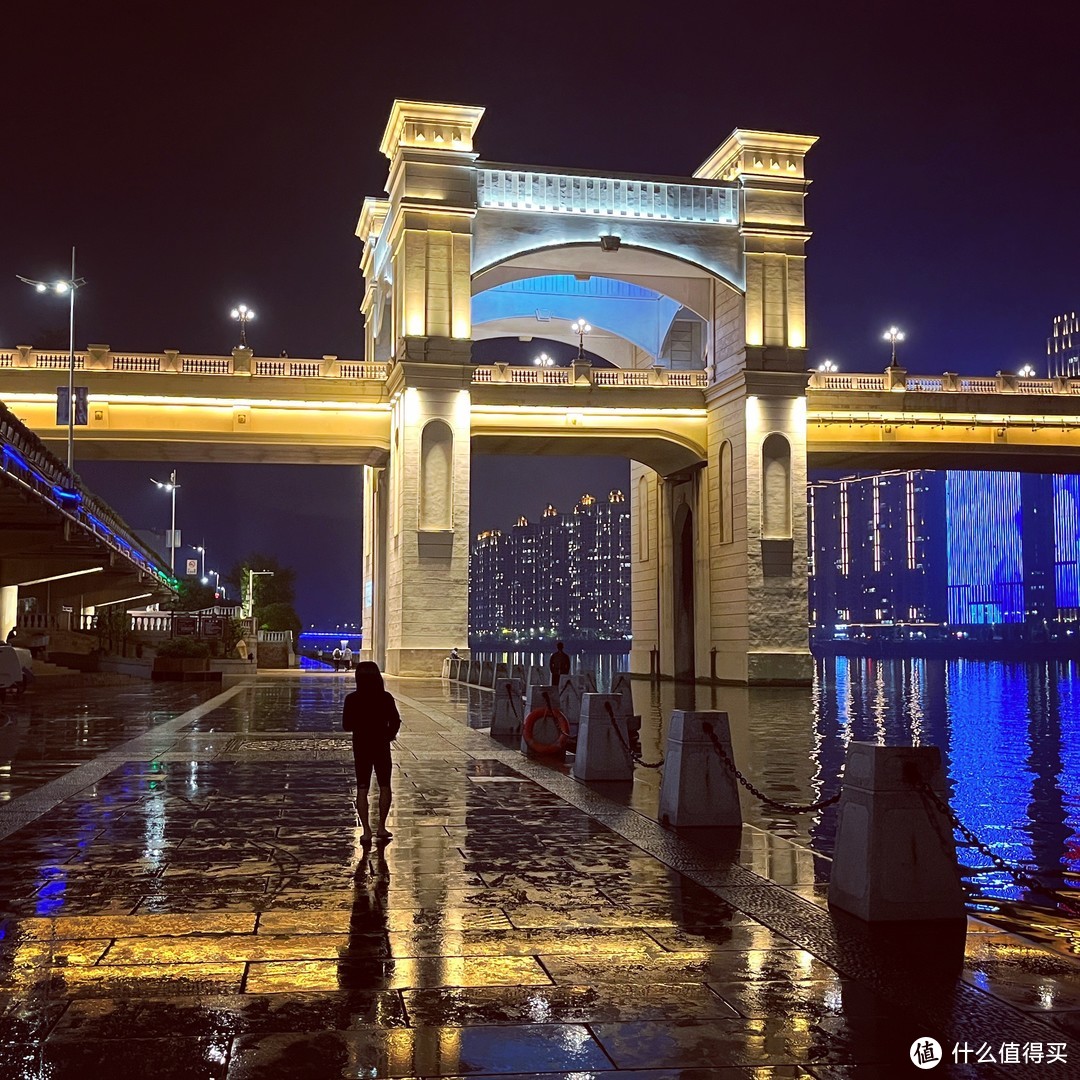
[
  {"x": 373, "y": 599},
  {"x": 9, "y": 609},
  {"x": 600, "y": 753}
]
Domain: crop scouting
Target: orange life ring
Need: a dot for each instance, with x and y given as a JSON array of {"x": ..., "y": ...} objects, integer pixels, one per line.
[{"x": 560, "y": 722}]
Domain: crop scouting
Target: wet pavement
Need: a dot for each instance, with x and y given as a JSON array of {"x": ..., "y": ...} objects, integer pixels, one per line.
[{"x": 184, "y": 895}]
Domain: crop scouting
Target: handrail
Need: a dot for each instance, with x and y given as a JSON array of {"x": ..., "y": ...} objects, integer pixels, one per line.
[{"x": 948, "y": 383}]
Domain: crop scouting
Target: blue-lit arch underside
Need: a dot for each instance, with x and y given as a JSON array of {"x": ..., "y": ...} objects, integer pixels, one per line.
[{"x": 639, "y": 315}]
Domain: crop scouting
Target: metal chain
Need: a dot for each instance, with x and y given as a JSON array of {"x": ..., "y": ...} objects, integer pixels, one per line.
[
  {"x": 1019, "y": 876},
  {"x": 788, "y": 808},
  {"x": 634, "y": 756}
]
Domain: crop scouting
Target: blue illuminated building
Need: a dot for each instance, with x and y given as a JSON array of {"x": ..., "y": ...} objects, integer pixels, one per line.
[{"x": 950, "y": 555}]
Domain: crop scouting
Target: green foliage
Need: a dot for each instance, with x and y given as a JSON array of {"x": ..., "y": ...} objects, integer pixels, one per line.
[
  {"x": 184, "y": 648},
  {"x": 278, "y": 617},
  {"x": 279, "y": 589},
  {"x": 194, "y": 596}
]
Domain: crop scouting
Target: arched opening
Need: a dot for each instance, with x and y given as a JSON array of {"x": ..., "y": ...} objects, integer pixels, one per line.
[
  {"x": 776, "y": 488},
  {"x": 683, "y": 592},
  {"x": 436, "y": 473},
  {"x": 727, "y": 530}
]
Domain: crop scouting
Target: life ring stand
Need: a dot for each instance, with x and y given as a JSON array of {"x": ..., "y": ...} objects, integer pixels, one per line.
[{"x": 563, "y": 742}]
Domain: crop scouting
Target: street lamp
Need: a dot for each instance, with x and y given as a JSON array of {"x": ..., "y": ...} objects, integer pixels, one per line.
[
  {"x": 252, "y": 575},
  {"x": 1026, "y": 372},
  {"x": 892, "y": 335},
  {"x": 581, "y": 328},
  {"x": 202, "y": 563},
  {"x": 827, "y": 366},
  {"x": 243, "y": 315},
  {"x": 543, "y": 360},
  {"x": 205, "y": 579},
  {"x": 170, "y": 485},
  {"x": 69, "y": 288}
]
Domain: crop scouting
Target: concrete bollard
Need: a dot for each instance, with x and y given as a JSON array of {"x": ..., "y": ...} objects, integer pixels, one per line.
[
  {"x": 517, "y": 671},
  {"x": 535, "y": 700},
  {"x": 895, "y": 857},
  {"x": 537, "y": 677},
  {"x": 509, "y": 707},
  {"x": 487, "y": 674},
  {"x": 501, "y": 672},
  {"x": 455, "y": 669},
  {"x": 572, "y": 689},
  {"x": 698, "y": 789},
  {"x": 620, "y": 684},
  {"x": 472, "y": 676},
  {"x": 600, "y": 753}
]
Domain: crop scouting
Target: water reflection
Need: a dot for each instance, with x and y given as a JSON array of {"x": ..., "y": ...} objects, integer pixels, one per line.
[{"x": 1009, "y": 736}]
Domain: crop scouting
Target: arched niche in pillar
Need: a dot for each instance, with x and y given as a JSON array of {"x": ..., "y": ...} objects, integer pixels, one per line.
[
  {"x": 436, "y": 476},
  {"x": 683, "y": 591},
  {"x": 775, "y": 488},
  {"x": 727, "y": 526}
]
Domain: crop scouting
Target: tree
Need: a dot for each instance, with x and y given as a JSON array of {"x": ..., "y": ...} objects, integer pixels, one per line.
[
  {"x": 274, "y": 596},
  {"x": 193, "y": 596},
  {"x": 278, "y": 617}
]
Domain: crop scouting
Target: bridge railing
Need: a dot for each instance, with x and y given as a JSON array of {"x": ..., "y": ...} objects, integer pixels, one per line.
[
  {"x": 173, "y": 362},
  {"x": 948, "y": 383},
  {"x": 560, "y": 376}
]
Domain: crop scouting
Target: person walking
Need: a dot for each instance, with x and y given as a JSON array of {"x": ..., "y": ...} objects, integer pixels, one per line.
[
  {"x": 346, "y": 656},
  {"x": 559, "y": 664},
  {"x": 370, "y": 713},
  {"x": 336, "y": 657}
]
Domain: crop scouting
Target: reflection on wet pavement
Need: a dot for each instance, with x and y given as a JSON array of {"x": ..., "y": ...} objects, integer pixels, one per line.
[{"x": 206, "y": 909}]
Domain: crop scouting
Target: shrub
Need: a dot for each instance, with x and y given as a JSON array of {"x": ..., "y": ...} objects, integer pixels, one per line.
[{"x": 184, "y": 648}]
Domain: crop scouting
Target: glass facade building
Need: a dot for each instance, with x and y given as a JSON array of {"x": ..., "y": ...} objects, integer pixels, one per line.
[{"x": 564, "y": 575}]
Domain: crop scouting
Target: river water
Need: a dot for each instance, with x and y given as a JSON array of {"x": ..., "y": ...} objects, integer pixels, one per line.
[{"x": 1009, "y": 734}]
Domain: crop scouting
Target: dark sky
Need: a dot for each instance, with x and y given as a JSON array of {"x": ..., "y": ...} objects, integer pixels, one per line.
[{"x": 205, "y": 154}]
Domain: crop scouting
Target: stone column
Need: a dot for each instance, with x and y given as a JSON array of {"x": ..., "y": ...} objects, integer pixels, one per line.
[
  {"x": 9, "y": 609},
  {"x": 373, "y": 595}
]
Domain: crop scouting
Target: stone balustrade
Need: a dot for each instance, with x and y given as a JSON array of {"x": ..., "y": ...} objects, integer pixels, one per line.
[
  {"x": 586, "y": 374},
  {"x": 948, "y": 383}
]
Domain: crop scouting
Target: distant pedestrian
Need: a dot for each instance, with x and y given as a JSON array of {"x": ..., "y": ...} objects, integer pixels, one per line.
[
  {"x": 336, "y": 657},
  {"x": 559, "y": 664},
  {"x": 370, "y": 713},
  {"x": 13, "y": 635},
  {"x": 347, "y": 657},
  {"x": 455, "y": 655}
]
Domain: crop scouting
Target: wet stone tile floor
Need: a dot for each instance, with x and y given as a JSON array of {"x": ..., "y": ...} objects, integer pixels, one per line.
[{"x": 184, "y": 894}]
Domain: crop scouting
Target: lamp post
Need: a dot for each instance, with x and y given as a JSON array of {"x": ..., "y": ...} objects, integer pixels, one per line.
[
  {"x": 827, "y": 366},
  {"x": 205, "y": 579},
  {"x": 243, "y": 315},
  {"x": 171, "y": 486},
  {"x": 581, "y": 328},
  {"x": 202, "y": 563},
  {"x": 543, "y": 360},
  {"x": 1026, "y": 372},
  {"x": 252, "y": 575},
  {"x": 893, "y": 335},
  {"x": 68, "y": 287}
]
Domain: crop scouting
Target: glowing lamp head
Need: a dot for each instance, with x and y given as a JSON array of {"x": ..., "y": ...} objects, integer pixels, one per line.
[
  {"x": 40, "y": 286},
  {"x": 61, "y": 287}
]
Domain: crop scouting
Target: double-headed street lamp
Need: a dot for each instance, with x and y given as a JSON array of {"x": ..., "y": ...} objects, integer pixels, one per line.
[
  {"x": 581, "y": 328},
  {"x": 202, "y": 561},
  {"x": 243, "y": 315},
  {"x": 66, "y": 288},
  {"x": 205, "y": 579},
  {"x": 171, "y": 486},
  {"x": 893, "y": 335}
]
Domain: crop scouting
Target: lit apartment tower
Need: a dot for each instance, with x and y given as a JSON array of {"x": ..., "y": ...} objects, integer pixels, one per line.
[
  {"x": 521, "y": 573},
  {"x": 600, "y": 568},
  {"x": 553, "y": 572},
  {"x": 489, "y": 586},
  {"x": 1063, "y": 347}
]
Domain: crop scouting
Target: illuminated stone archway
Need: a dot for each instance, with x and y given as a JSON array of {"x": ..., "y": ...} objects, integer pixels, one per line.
[{"x": 727, "y": 244}]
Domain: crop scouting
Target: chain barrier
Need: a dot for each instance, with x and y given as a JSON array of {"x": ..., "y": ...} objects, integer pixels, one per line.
[
  {"x": 634, "y": 756},
  {"x": 787, "y": 808},
  {"x": 1019, "y": 876}
]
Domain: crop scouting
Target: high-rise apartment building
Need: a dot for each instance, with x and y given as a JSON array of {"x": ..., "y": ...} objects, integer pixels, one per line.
[
  {"x": 564, "y": 575},
  {"x": 1063, "y": 347}
]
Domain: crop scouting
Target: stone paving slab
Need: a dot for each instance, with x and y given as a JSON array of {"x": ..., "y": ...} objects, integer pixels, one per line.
[{"x": 196, "y": 897}]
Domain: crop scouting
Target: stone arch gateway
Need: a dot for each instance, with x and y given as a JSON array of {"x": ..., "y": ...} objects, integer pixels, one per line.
[{"x": 728, "y": 244}]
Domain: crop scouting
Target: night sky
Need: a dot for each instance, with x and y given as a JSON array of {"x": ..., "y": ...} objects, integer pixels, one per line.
[{"x": 208, "y": 154}]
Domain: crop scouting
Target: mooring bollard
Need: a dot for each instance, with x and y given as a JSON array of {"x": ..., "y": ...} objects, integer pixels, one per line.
[
  {"x": 509, "y": 707},
  {"x": 620, "y": 684},
  {"x": 697, "y": 788},
  {"x": 537, "y": 677},
  {"x": 572, "y": 689},
  {"x": 602, "y": 753},
  {"x": 548, "y": 730},
  {"x": 895, "y": 856}
]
